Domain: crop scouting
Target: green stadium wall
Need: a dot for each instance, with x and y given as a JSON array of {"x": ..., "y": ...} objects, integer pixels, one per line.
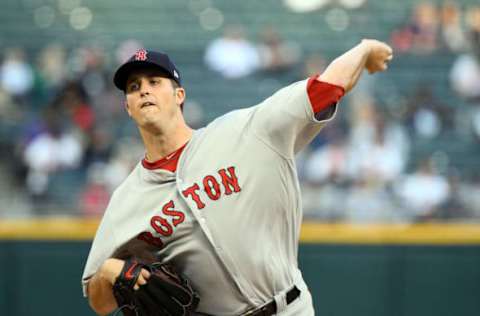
[{"x": 43, "y": 278}]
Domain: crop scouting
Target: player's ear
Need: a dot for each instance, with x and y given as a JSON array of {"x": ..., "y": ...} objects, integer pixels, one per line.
[
  {"x": 180, "y": 95},
  {"x": 125, "y": 104}
]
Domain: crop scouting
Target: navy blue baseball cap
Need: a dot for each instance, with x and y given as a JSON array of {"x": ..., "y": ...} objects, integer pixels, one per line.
[{"x": 146, "y": 58}]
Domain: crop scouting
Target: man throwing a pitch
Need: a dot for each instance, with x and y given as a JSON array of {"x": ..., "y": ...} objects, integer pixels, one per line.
[{"x": 222, "y": 203}]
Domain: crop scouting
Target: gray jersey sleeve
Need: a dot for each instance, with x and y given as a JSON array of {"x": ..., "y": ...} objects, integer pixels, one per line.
[
  {"x": 286, "y": 121},
  {"x": 102, "y": 248}
]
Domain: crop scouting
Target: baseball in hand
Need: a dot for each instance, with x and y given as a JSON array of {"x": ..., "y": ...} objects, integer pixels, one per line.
[{"x": 379, "y": 55}]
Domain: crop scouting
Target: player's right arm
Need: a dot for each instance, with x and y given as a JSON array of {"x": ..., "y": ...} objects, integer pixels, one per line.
[
  {"x": 289, "y": 119},
  {"x": 346, "y": 69},
  {"x": 99, "y": 289},
  {"x": 100, "y": 294}
]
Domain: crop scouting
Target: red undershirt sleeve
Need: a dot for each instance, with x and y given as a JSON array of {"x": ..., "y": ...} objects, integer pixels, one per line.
[{"x": 323, "y": 96}]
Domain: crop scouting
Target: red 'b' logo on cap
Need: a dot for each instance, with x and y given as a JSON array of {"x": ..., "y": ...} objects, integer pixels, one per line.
[{"x": 141, "y": 55}]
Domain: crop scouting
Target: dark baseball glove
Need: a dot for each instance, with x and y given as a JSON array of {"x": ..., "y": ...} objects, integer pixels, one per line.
[{"x": 166, "y": 293}]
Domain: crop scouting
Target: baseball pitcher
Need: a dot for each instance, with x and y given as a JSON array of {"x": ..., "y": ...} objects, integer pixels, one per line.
[{"x": 220, "y": 204}]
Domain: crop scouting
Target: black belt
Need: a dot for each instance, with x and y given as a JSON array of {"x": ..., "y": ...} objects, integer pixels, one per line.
[{"x": 271, "y": 308}]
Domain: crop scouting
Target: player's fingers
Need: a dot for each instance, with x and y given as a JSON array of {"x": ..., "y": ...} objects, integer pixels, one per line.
[
  {"x": 145, "y": 273},
  {"x": 389, "y": 50},
  {"x": 141, "y": 280},
  {"x": 381, "y": 66}
]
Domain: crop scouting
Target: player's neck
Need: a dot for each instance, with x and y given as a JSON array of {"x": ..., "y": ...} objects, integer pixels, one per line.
[{"x": 158, "y": 146}]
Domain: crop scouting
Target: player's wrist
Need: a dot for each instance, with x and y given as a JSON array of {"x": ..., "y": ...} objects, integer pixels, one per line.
[{"x": 110, "y": 270}]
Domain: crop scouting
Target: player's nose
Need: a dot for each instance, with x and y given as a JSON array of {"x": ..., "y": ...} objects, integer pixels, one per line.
[{"x": 144, "y": 87}]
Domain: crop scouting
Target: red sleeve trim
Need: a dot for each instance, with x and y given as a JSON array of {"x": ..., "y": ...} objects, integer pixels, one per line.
[{"x": 323, "y": 95}]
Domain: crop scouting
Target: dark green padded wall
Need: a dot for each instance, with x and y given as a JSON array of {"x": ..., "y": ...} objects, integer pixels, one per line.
[{"x": 43, "y": 278}]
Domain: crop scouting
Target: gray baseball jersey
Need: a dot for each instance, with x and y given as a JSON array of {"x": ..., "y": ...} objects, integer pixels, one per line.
[{"x": 229, "y": 217}]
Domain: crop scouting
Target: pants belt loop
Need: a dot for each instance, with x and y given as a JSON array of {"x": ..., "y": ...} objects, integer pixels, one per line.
[{"x": 281, "y": 301}]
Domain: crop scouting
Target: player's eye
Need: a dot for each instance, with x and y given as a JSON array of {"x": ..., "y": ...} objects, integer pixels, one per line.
[
  {"x": 133, "y": 86},
  {"x": 154, "y": 81}
]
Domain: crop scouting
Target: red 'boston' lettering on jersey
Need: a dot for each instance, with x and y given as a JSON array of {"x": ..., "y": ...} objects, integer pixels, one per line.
[
  {"x": 161, "y": 226},
  {"x": 228, "y": 181},
  {"x": 212, "y": 187},
  {"x": 192, "y": 191},
  {"x": 178, "y": 217},
  {"x": 149, "y": 238}
]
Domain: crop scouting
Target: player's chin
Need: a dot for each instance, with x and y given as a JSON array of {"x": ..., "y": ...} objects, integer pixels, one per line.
[
  {"x": 150, "y": 113},
  {"x": 151, "y": 124}
]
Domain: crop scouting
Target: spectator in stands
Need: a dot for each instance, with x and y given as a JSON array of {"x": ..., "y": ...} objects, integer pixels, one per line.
[
  {"x": 368, "y": 202},
  {"x": 276, "y": 54},
  {"x": 16, "y": 74},
  {"x": 324, "y": 201},
  {"x": 383, "y": 159},
  {"x": 426, "y": 115},
  {"x": 419, "y": 36},
  {"x": 465, "y": 76},
  {"x": 456, "y": 207},
  {"x": 469, "y": 194},
  {"x": 424, "y": 28},
  {"x": 126, "y": 154},
  {"x": 465, "y": 72},
  {"x": 328, "y": 163},
  {"x": 452, "y": 32},
  {"x": 424, "y": 191},
  {"x": 378, "y": 150},
  {"x": 323, "y": 177},
  {"x": 10, "y": 114},
  {"x": 49, "y": 152},
  {"x": 95, "y": 196},
  {"x": 52, "y": 66},
  {"x": 232, "y": 55},
  {"x": 474, "y": 116},
  {"x": 99, "y": 146},
  {"x": 473, "y": 21},
  {"x": 73, "y": 101},
  {"x": 93, "y": 76}
]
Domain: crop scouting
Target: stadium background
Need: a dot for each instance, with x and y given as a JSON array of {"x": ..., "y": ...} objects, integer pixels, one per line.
[{"x": 391, "y": 212}]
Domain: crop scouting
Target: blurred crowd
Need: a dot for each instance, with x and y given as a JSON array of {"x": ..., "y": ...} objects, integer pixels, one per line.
[
  {"x": 67, "y": 142},
  {"x": 364, "y": 169},
  {"x": 450, "y": 28},
  {"x": 369, "y": 167}
]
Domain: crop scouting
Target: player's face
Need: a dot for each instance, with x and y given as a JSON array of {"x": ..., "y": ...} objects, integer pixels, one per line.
[{"x": 152, "y": 100}]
